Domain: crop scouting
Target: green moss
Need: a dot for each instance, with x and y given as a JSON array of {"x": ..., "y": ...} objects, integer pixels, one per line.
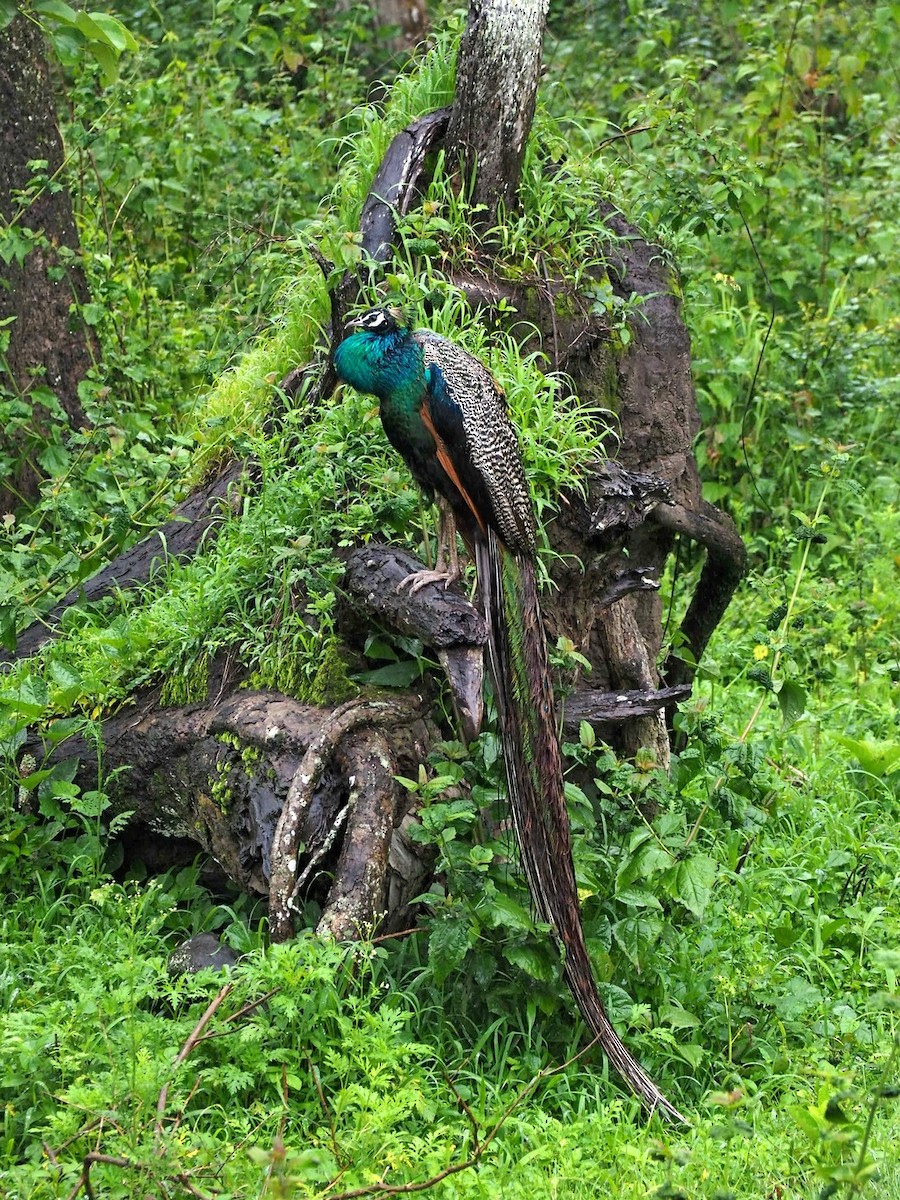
[
  {"x": 189, "y": 686},
  {"x": 283, "y": 669},
  {"x": 332, "y": 683},
  {"x": 220, "y": 792},
  {"x": 250, "y": 757}
]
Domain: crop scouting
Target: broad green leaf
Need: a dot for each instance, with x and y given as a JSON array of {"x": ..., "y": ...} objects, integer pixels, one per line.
[
  {"x": 678, "y": 1018},
  {"x": 637, "y": 898},
  {"x": 481, "y": 856},
  {"x": 635, "y": 936},
  {"x": 54, "y": 458},
  {"x": 108, "y": 60},
  {"x": 63, "y": 789},
  {"x": 398, "y": 674},
  {"x": 64, "y": 728},
  {"x": 798, "y": 997},
  {"x": 90, "y": 30},
  {"x": 8, "y": 614},
  {"x": 67, "y": 684},
  {"x": 448, "y": 943},
  {"x": 650, "y": 859},
  {"x": 805, "y": 1121},
  {"x": 691, "y": 1053},
  {"x": 29, "y": 699},
  {"x": 501, "y": 909},
  {"x": 56, "y": 9},
  {"x": 791, "y": 701},
  {"x": 618, "y": 1004},
  {"x": 30, "y": 782},
  {"x": 114, "y": 31},
  {"x": 67, "y": 42},
  {"x": 8, "y": 10},
  {"x": 90, "y": 804},
  {"x": 312, "y": 1165},
  {"x": 878, "y": 758},
  {"x": 12, "y": 735},
  {"x": 92, "y": 314},
  {"x": 377, "y": 647},
  {"x": 785, "y": 934},
  {"x": 533, "y": 960},
  {"x": 694, "y": 879}
]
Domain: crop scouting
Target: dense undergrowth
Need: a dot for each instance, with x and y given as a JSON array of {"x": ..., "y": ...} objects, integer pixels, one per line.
[{"x": 747, "y": 936}]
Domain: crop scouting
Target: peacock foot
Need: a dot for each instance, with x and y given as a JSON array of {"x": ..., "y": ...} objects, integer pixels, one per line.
[{"x": 419, "y": 579}]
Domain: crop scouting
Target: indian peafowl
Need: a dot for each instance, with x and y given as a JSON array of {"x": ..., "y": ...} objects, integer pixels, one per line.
[{"x": 446, "y": 416}]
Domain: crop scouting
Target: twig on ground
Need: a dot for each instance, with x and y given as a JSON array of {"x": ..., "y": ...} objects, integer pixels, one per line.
[
  {"x": 185, "y": 1050},
  {"x": 403, "y": 1189}
]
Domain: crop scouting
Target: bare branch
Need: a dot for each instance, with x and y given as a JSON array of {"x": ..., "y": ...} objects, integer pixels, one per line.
[{"x": 185, "y": 1050}]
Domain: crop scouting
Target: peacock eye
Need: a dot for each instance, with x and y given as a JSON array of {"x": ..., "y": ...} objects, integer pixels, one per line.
[{"x": 376, "y": 320}]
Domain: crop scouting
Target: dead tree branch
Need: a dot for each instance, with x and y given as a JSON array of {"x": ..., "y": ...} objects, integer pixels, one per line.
[
  {"x": 725, "y": 567},
  {"x": 195, "y": 1037}
]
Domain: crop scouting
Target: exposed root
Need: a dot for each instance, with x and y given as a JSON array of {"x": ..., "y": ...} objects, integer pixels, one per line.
[{"x": 285, "y": 846}]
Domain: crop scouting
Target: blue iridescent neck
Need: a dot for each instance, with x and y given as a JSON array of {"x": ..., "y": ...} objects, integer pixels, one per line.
[{"x": 379, "y": 363}]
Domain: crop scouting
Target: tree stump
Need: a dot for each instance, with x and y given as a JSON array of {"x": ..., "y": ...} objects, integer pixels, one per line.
[{"x": 189, "y": 773}]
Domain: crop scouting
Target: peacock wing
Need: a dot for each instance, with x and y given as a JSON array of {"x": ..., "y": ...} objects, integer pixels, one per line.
[{"x": 468, "y": 411}]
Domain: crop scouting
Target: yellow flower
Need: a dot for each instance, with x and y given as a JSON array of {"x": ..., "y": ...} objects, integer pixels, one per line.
[{"x": 760, "y": 652}]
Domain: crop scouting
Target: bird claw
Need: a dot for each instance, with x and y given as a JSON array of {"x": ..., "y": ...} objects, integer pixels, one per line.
[{"x": 419, "y": 579}]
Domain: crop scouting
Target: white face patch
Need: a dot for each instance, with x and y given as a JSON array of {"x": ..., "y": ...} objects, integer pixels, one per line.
[{"x": 373, "y": 320}]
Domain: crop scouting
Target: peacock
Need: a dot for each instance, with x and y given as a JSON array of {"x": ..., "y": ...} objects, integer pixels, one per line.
[{"x": 447, "y": 417}]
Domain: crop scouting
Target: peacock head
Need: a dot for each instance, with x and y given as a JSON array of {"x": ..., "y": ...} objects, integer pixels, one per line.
[{"x": 382, "y": 321}]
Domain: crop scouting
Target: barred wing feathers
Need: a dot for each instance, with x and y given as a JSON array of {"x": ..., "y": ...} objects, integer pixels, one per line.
[{"x": 469, "y": 413}]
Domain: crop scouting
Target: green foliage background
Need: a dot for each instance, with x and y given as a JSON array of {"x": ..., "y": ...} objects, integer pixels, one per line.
[{"x": 747, "y": 936}]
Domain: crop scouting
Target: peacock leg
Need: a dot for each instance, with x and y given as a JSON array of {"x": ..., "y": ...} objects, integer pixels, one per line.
[{"x": 446, "y": 545}]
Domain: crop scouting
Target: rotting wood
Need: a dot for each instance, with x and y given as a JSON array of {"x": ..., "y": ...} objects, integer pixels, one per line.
[
  {"x": 396, "y": 183},
  {"x": 441, "y": 618},
  {"x": 613, "y": 707},
  {"x": 215, "y": 776},
  {"x": 342, "y": 722},
  {"x": 357, "y": 898}
]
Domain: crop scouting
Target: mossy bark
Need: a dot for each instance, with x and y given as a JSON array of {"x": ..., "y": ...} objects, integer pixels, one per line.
[{"x": 497, "y": 75}]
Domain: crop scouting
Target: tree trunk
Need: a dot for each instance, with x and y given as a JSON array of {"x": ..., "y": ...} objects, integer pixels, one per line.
[
  {"x": 399, "y": 24},
  {"x": 497, "y": 76},
  {"x": 406, "y": 20},
  {"x": 48, "y": 347}
]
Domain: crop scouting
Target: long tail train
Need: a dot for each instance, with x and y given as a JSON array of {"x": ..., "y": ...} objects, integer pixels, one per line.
[{"x": 517, "y": 655}]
